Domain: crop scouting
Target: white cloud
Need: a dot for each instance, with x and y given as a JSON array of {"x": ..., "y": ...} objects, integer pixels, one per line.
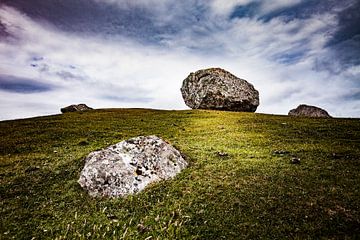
[
  {"x": 225, "y": 8},
  {"x": 123, "y": 73},
  {"x": 221, "y": 7},
  {"x": 165, "y": 10}
]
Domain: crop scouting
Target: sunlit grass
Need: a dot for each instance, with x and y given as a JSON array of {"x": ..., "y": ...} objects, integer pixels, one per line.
[{"x": 240, "y": 183}]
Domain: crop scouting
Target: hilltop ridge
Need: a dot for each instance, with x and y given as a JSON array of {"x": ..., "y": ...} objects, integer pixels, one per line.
[{"x": 240, "y": 183}]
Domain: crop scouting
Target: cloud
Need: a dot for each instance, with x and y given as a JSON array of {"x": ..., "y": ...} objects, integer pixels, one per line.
[
  {"x": 285, "y": 59},
  {"x": 22, "y": 85},
  {"x": 242, "y": 7},
  {"x": 220, "y": 7},
  {"x": 269, "y": 6},
  {"x": 113, "y": 74},
  {"x": 3, "y": 33}
]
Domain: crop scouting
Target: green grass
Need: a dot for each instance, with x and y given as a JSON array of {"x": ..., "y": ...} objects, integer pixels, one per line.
[{"x": 252, "y": 193}]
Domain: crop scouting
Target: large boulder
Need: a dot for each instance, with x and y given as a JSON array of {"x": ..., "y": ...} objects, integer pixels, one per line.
[
  {"x": 75, "y": 108},
  {"x": 308, "y": 111},
  {"x": 129, "y": 166},
  {"x": 215, "y": 88}
]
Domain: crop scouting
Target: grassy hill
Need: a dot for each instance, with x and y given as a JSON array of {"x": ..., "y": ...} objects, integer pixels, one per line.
[{"x": 248, "y": 191}]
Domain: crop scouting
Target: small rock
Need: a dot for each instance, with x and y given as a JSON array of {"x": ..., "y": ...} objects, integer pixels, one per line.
[
  {"x": 222, "y": 154},
  {"x": 295, "y": 160},
  {"x": 75, "y": 108},
  {"x": 308, "y": 111}
]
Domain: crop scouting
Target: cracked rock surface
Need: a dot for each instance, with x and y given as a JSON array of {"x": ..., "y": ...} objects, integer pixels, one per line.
[
  {"x": 215, "y": 88},
  {"x": 129, "y": 166}
]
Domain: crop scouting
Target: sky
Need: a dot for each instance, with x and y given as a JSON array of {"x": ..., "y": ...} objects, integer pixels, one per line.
[{"x": 136, "y": 53}]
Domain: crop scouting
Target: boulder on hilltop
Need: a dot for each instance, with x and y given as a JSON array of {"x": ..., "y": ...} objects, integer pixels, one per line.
[
  {"x": 218, "y": 89},
  {"x": 308, "y": 111},
  {"x": 75, "y": 108}
]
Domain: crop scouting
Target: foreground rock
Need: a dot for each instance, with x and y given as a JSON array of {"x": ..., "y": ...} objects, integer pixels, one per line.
[
  {"x": 75, "y": 108},
  {"x": 308, "y": 111},
  {"x": 215, "y": 88},
  {"x": 129, "y": 166}
]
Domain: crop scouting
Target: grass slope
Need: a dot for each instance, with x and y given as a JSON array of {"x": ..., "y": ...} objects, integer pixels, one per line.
[{"x": 252, "y": 193}]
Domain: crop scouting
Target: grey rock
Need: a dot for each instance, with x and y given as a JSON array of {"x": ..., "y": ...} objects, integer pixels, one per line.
[
  {"x": 129, "y": 166},
  {"x": 295, "y": 160},
  {"x": 308, "y": 111},
  {"x": 217, "y": 89},
  {"x": 75, "y": 108},
  {"x": 222, "y": 154}
]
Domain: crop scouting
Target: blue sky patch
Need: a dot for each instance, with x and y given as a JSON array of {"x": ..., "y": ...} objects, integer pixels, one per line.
[
  {"x": 246, "y": 11},
  {"x": 289, "y": 58}
]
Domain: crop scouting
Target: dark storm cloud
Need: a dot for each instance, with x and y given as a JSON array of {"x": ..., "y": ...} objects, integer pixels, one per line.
[
  {"x": 90, "y": 17},
  {"x": 349, "y": 22},
  {"x": 22, "y": 85},
  {"x": 246, "y": 11},
  {"x": 141, "y": 23},
  {"x": 346, "y": 41},
  {"x": 343, "y": 46},
  {"x": 301, "y": 10},
  {"x": 341, "y": 56},
  {"x": 3, "y": 32}
]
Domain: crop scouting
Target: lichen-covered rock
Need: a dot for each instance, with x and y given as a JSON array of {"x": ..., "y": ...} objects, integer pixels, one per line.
[
  {"x": 75, "y": 108},
  {"x": 308, "y": 111},
  {"x": 129, "y": 166},
  {"x": 215, "y": 88}
]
